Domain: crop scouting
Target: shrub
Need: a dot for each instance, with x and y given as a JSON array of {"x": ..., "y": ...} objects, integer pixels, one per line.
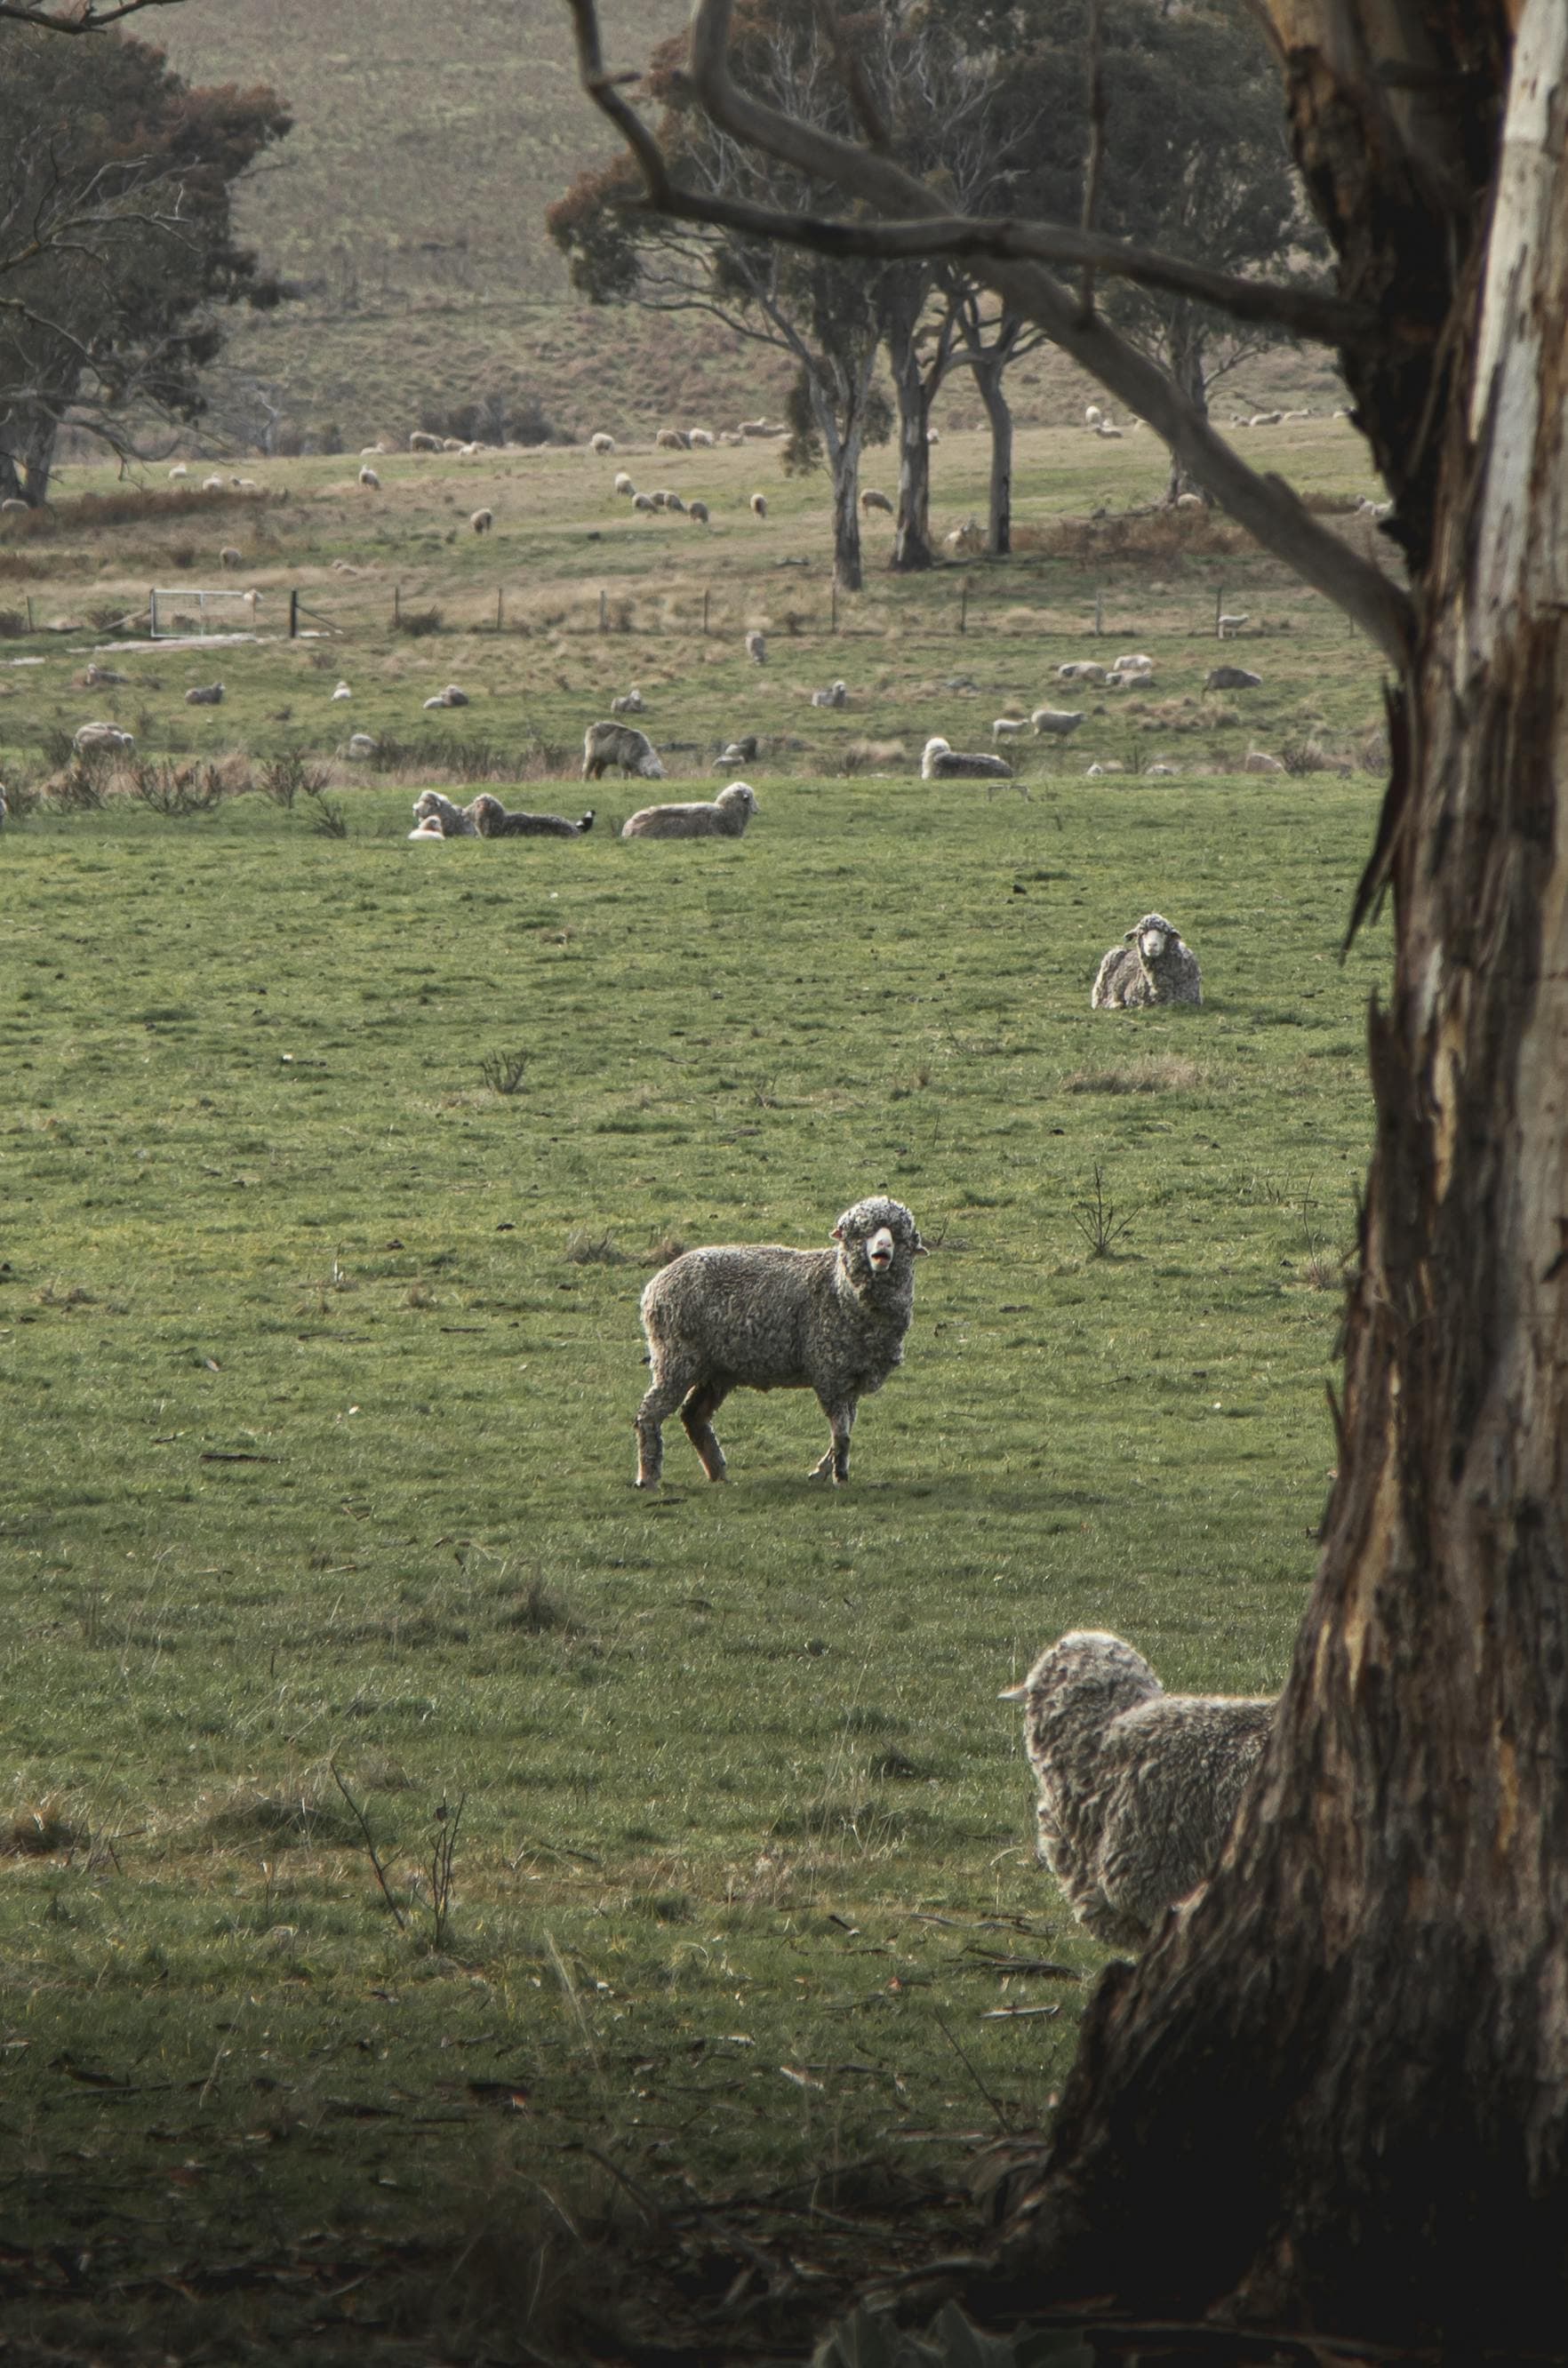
[{"x": 419, "y": 624}]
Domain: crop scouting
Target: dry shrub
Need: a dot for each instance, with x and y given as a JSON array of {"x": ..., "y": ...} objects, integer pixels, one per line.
[
  {"x": 42, "y": 1829},
  {"x": 1138, "y": 535},
  {"x": 1152, "y": 1072},
  {"x": 1311, "y": 756},
  {"x": 873, "y": 755},
  {"x": 663, "y": 1248},
  {"x": 1373, "y": 753}
]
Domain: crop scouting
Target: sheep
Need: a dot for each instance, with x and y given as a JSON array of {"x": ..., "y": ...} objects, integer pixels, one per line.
[
  {"x": 213, "y": 485},
  {"x": 451, "y": 443},
  {"x": 1225, "y": 626},
  {"x": 482, "y": 521},
  {"x": 630, "y": 702},
  {"x": 212, "y": 696},
  {"x": 1153, "y": 965},
  {"x": 832, "y": 1321},
  {"x": 758, "y": 506},
  {"x": 1162, "y": 772},
  {"x": 620, "y": 745},
  {"x": 1093, "y": 414},
  {"x": 756, "y": 648},
  {"x": 966, "y": 542},
  {"x": 602, "y": 444},
  {"x": 871, "y": 500},
  {"x": 1138, "y": 1788},
  {"x": 230, "y": 557},
  {"x": 423, "y": 442},
  {"x": 623, "y": 484},
  {"x": 427, "y": 831},
  {"x": 1056, "y": 722},
  {"x": 738, "y": 752},
  {"x": 661, "y": 500},
  {"x": 939, "y": 762},
  {"x": 672, "y": 440},
  {"x": 672, "y": 501},
  {"x": 1008, "y": 727},
  {"x": 1232, "y": 678},
  {"x": 725, "y": 817},
  {"x": 89, "y": 737},
  {"x": 1257, "y": 760},
  {"x": 96, "y": 676},
  {"x": 362, "y": 747},
  {"x": 1264, "y": 420},
  {"x": 367, "y": 477},
  {"x": 697, "y": 513},
  {"x": 433, "y": 811},
  {"x": 179, "y": 470},
  {"x": 1133, "y": 662},
  {"x": 644, "y": 503},
  {"x": 450, "y": 697},
  {"x": 701, "y": 439},
  {"x": 1082, "y": 670},
  {"x": 837, "y": 696},
  {"x": 1109, "y": 427},
  {"x": 343, "y": 691},
  {"x": 1190, "y": 502},
  {"x": 491, "y": 820}
]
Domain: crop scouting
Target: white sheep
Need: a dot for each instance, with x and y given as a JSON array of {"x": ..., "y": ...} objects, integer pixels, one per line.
[
  {"x": 623, "y": 484},
  {"x": 674, "y": 502},
  {"x": 1259, "y": 760},
  {"x": 724, "y": 816},
  {"x": 1056, "y": 722},
  {"x": 1225, "y": 626},
  {"x": 1153, "y": 965},
  {"x": 450, "y": 697},
  {"x": 644, "y": 504},
  {"x": 758, "y": 506},
  {"x": 736, "y": 752},
  {"x": 343, "y": 691},
  {"x": 756, "y": 648},
  {"x": 630, "y": 702},
  {"x": 367, "y": 477},
  {"x": 88, "y": 737},
  {"x": 1138, "y": 1789},
  {"x": 932, "y": 436},
  {"x": 1109, "y": 427},
  {"x": 210, "y": 695},
  {"x": 966, "y": 542},
  {"x": 434, "y": 810},
  {"x": 673, "y": 439},
  {"x": 427, "y": 831},
  {"x": 1190, "y": 502},
  {"x": 213, "y": 485},
  {"x": 179, "y": 470},
  {"x": 622, "y": 745},
  {"x": 1008, "y": 727},
  {"x": 1093, "y": 414},
  {"x": 837, "y": 696},
  {"x": 362, "y": 747},
  {"x": 701, "y": 439},
  {"x": 1134, "y": 662},
  {"x": 833, "y": 1321},
  {"x": 601, "y": 444},
  {"x": 423, "y": 442},
  {"x": 1264, "y": 420},
  {"x": 482, "y": 521},
  {"x": 939, "y": 762},
  {"x": 1082, "y": 670},
  {"x": 755, "y": 427},
  {"x": 1163, "y": 773},
  {"x": 872, "y": 500},
  {"x": 697, "y": 513}
]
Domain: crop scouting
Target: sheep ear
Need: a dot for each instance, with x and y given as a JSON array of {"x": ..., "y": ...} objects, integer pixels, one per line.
[
  {"x": 838, "y": 1233},
  {"x": 1014, "y": 1693},
  {"x": 920, "y": 1249},
  {"x": 1127, "y": 941}
]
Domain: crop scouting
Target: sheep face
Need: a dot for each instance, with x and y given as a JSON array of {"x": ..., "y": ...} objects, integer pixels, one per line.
[
  {"x": 877, "y": 1243},
  {"x": 1151, "y": 936}
]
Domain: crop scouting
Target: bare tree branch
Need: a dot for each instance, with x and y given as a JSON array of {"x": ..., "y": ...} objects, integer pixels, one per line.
[
  {"x": 78, "y": 16},
  {"x": 1265, "y": 506}
]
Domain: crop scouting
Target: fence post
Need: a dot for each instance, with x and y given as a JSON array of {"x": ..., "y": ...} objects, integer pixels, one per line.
[
  {"x": 498, "y": 609},
  {"x": 152, "y": 612},
  {"x": 604, "y": 610},
  {"x": 705, "y": 600},
  {"x": 294, "y": 615},
  {"x": 1219, "y": 611},
  {"x": 835, "y": 591},
  {"x": 963, "y": 609},
  {"x": 29, "y": 612},
  {"x": 1099, "y": 610},
  {"x": 397, "y": 602}
]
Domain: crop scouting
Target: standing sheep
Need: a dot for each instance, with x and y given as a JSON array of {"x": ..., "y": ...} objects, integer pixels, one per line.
[
  {"x": 1138, "y": 1788},
  {"x": 725, "y": 816},
  {"x": 423, "y": 442},
  {"x": 672, "y": 440},
  {"x": 1056, "y": 722},
  {"x": 482, "y": 521},
  {"x": 623, "y": 484},
  {"x": 756, "y": 648},
  {"x": 491, "y": 820},
  {"x": 941, "y": 763},
  {"x": 871, "y": 500},
  {"x": 230, "y": 557},
  {"x": 368, "y": 477},
  {"x": 1153, "y": 965},
  {"x": 697, "y": 513},
  {"x": 701, "y": 439},
  {"x": 601, "y": 444},
  {"x": 835, "y": 696},
  {"x": 620, "y": 745},
  {"x": 833, "y": 1321},
  {"x": 758, "y": 506}
]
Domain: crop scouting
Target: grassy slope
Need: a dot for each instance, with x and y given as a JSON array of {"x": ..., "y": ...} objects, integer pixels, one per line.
[{"x": 321, "y": 1358}]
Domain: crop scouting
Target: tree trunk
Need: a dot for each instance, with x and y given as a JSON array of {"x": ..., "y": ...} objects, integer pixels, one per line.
[
  {"x": 1333, "y": 2094},
  {"x": 841, "y": 441},
  {"x": 1184, "y": 351},
  {"x": 988, "y": 374},
  {"x": 914, "y": 394}
]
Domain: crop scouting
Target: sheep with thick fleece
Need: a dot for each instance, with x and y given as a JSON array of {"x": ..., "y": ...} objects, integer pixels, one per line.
[
  {"x": 630, "y": 702},
  {"x": 766, "y": 1318},
  {"x": 601, "y": 444},
  {"x": 835, "y": 695},
  {"x": 724, "y": 816},
  {"x": 1153, "y": 965},
  {"x": 1056, "y": 722},
  {"x": 367, "y": 476},
  {"x": 482, "y": 521},
  {"x": 1232, "y": 678},
  {"x": 433, "y": 812},
  {"x": 493, "y": 820},
  {"x": 941, "y": 763},
  {"x": 622, "y": 745},
  {"x": 1138, "y": 1788}
]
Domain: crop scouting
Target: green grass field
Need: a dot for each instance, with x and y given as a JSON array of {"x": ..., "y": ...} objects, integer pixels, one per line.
[{"x": 704, "y": 1844}]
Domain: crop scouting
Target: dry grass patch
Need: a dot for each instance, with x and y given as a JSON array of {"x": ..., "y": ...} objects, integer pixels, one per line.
[
  {"x": 42, "y": 1829},
  {"x": 1152, "y": 1072}
]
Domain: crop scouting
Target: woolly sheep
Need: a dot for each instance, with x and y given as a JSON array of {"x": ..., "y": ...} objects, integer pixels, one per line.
[
  {"x": 1264, "y": 420},
  {"x": 871, "y": 500},
  {"x": 1137, "y": 1788},
  {"x": 622, "y": 745},
  {"x": 837, "y": 696},
  {"x": 1134, "y": 662},
  {"x": 451, "y": 443},
  {"x": 482, "y": 521},
  {"x": 491, "y": 820},
  {"x": 674, "y": 502},
  {"x": 725, "y": 817},
  {"x": 697, "y": 513},
  {"x": 368, "y": 477},
  {"x": 673, "y": 439},
  {"x": 230, "y": 557},
  {"x": 1161, "y": 773},
  {"x": 1189, "y": 502},
  {"x": 1257, "y": 760},
  {"x": 699, "y": 439},
  {"x": 758, "y": 506},
  {"x": 432, "y": 810},
  {"x": 1093, "y": 414},
  {"x": 212, "y": 485},
  {"x": 966, "y": 542},
  {"x": 1056, "y": 722},
  {"x": 1232, "y": 678},
  {"x": 645, "y": 502},
  {"x": 1082, "y": 670},
  {"x": 94, "y": 676},
  {"x": 90, "y": 737},
  {"x": 363, "y": 746},
  {"x": 630, "y": 702},
  {"x": 939, "y": 762},
  {"x": 756, "y": 427},
  {"x": 601, "y": 444},
  {"x": 932, "y": 436},
  {"x": 623, "y": 484},
  {"x": 212, "y": 696},
  {"x": 450, "y": 697},
  {"x": 1008, "y": 727},
  {"x": 423, "y": 442},
  {"x": 427, "y": 831},
  {"x": 1153, "y": 965},
  {"x": 738, "y": 752},
  {"x": 1109, "y": 427},
  {"x": 1226, "y": 625},
  {"x": 832, "y": 1321},
  {"x": 179, "y": 470},
  {"x": 343, "y": 691},
  {"x": 756, "y": 648}
]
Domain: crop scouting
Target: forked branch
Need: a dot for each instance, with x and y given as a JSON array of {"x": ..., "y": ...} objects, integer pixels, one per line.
[{"x": 76, "y": 16}]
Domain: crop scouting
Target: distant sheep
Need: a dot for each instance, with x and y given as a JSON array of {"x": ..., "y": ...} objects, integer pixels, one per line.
[
  {"x": 450, "y": 697},
  {"x": 90, "y": 737},
  {"x": 491, "y": 820},
  {"x": 756, "y": 427},
  {"x": 422, "y": 441},
  {"x": 1190, "y": 502},
  {"x": 368, "y": 477},
  {"x": 738, "y": 752},
  {"x": 836, "y": 696},
  {"x": 623, "y": 484},
  {"x": 1093, "y": 414},
  {"x": 1082, "y": 670},
  {"x": 756, "y": 648},
  {"x": 1008, "y": 727},
  {"x": 871, "y": 500},
  {"x": 230, "y": 557},
  {"x": 1138, "y": 1789},
  {"x": 673, "y": 439},
  {"x": 701, "y": 439},
  {"x": 932, "y": 436},
  {"x": 1257, "y": 760},
  {"x": 630, "y": 702},
  {"x": 482, "y": 521},
  {"x": 1153, "y": 965},
  {"x": 1232, "y": 678},
  {"x": 1134, "y": 662},
  {"x": 697, "y": 513},
  {"x": 672, "y": 501},
  {"x": 427, "y": 831},
  {"x": 1225, "y": 626},
  {"x": 644, "y": 503},
  {"x": 1109, "y": 427},
  {"x": 758, "y": 506},
  {"x": 213, "y": 696},
  {"x": 362, "y": 747},
  {"x": 213, "y": 485},
  {"x": 622, "y": 745},
  {"x": 179, "y": 470},
  {"x": 941, "y": 763},
  {"x": 601, "y": 444},
  {"x": 96, "y": 676},
  {"x": 832, "y": 1321},
  {"x": 343, "y": 691},
  {"x": 966, "y": 542},
  {"x": 725, "y": 817},
  {"x": 1264, "y": 420},
  {"x": 1162, "y": 772},
  {"x": 1056, "y": 722},
  {"x": 433, "y": 810}
]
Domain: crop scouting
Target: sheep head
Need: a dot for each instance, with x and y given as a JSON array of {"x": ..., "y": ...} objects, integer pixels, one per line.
[
  {"x": 1153, "y": 936},
  {"x": 739, "y": 794},
  {"x": 877, "y": 1239}
]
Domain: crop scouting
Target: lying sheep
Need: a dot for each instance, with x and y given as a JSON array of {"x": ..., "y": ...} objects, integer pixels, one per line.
[
  {"x": 450, "y": 697},
  {"x": 212, "y": 696},
  {"x": 88, "y": 737},
  {"x": 966, "y": 542},
  {"x": 620, "y": 745},
  {"x": 601, "y": 444},
  {"x": 179, "y": 470},
  {"x": 96, "y": 676},
  {"x": 871, "y": 500},
  {"x": 423, "y": 442},
  {"x": 482, "y": 521},
  {"x": 1138, "y": 1788},
  {"x": 739, "y": 752},
  {"x": 1133, "y": 662},
  {"x": 630, "y": 702},
  {"x": 766, "y": 1318},
  {"x": 213, "y": 485},
  {"x": 491, "y": 820},
  {"x": 1153, "y": 965},
  {"x": 368, "y": 477},
  {"x": 428, "y": 830},
  {"x": 1082, "y": 670},
  {"x": 725, "y": 817},
  {"x": 1259, "y": 760},
  {"x": 758, "y": 506},
  {"x": 836, "y": 696},
  {"x": 362, "y": 747},
  {"x": 433, "y": 811},
  {"x": 939, "y": 762},
  {"x": 756, "y": 648},
  {"x": 343, "y": 691},
  {"x": 1230, "y": 678},
  {"x": 1056, "y": 722}
]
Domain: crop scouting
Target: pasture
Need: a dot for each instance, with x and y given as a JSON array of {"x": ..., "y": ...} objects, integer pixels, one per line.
[{"x": 423, "y": 1852}]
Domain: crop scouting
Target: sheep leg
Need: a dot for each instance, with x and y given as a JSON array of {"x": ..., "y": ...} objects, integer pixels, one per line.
[
  {"x": 697, "y": 1416},
  {"x": 656, "y": 1409},
  {"x": 834, "y": 1464}
]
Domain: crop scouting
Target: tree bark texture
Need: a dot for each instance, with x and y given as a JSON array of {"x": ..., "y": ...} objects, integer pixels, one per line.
[
  {"x": 840, "y": 425},
  {"x": 911, "y": 526},
  {"x": 1185, "y": 354},
  {"x": 1334, "y": 2092},
  {"x": 988, "y": 372}
]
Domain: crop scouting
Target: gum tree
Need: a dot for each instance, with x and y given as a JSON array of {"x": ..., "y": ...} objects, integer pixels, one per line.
[{"x": 1334, "y": 2093}]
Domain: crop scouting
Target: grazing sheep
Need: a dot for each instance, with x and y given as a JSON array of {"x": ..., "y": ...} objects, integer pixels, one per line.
[
  {"x": 672, "y": 501},
  {"x": 756, "y": 648},
  {"x": 673, "y": 439},
  {"x": 87, "y": 737},
  {"x": 836, "y": 696},
  {"x": 601, "y": 444},
  {"x": 697, "y": 513},
  {"x": 758, "y": 506},
  {"x": 1008, "y": 727},
  {"x": 179, "y": 470},
  {"x": 493, "y": 820},
  {"x": 1153, "y": 965},
  {"x": 644, "y": 503},
  {"x": 725, "y": 817},
  {"x": 1230, "y": 678},
  {"x": 833, "y": 1321},
  {"x": 623, "y": 484},
  {"x": 213, "y": 696},
  {"x": 362, "y": 747},
  {"x": 1082, "y": 670},
  {"x": 213, "y": 485},
  {"x": 871, "y": 500},
  {"x": 432, "y": 810},
  {"x": 1056, "y": 722},
  {"x": 630, "y": 702},
  {"x": 1138, "y": 1788},
  {"x": 661, "y": 500},
  {"x": 230, "y": 557},
  {"x": 739, "y": 752},
  {"x": 482, "y": 521},
  {"x": 1225, "y": 626},
  {"x": 941, "y": 763},
  {"x": 1257, "y": 760},
  {"x": 620, "y": 745},
  {"x": 368, "y": 477},
  {"x": 423, "y": 442},
  {"x": 701, "y": 439}
]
